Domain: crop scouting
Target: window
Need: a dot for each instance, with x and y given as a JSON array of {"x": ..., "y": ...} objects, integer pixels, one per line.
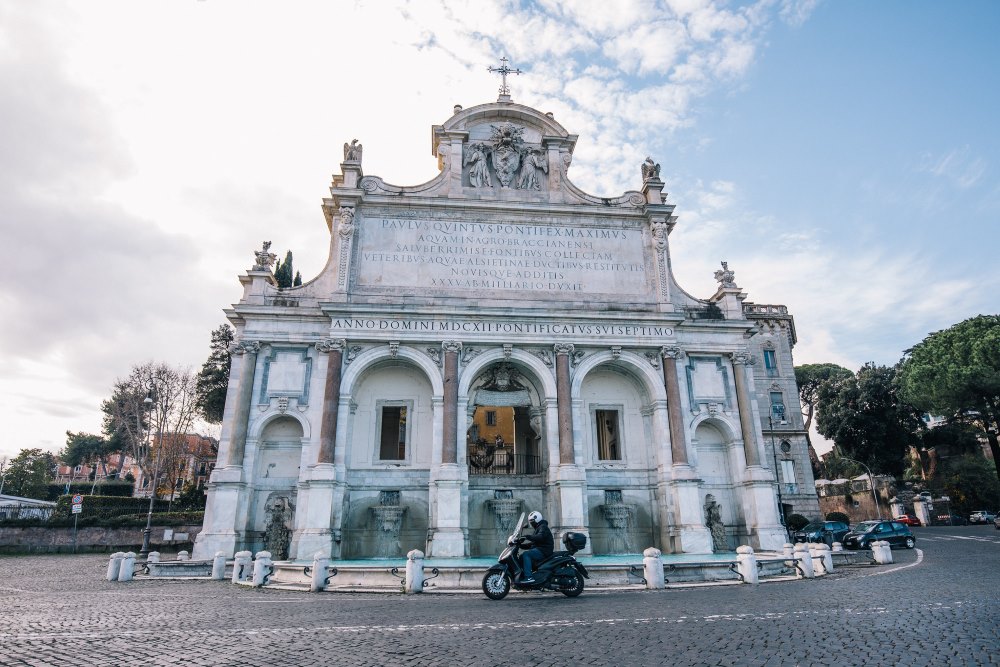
[
  {"x": 788, "y": 476},
  {"x": 392, "y": 440},
  {"x": 777, "y": 406},
  {"x": 770, "y": 363},
  {"x": 608, "y": 444},
  {"x": 491, "y": 417}
]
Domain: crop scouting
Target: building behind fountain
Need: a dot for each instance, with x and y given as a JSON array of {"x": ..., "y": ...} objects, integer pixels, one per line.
[{"x": 495, "y": 341}]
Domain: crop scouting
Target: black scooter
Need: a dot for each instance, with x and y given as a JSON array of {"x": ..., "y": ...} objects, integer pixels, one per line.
[{"x": 559, "y": 572}]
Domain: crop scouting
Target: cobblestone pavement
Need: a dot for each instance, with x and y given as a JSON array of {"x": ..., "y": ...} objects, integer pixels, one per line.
[{"x": 938, "y": 605}]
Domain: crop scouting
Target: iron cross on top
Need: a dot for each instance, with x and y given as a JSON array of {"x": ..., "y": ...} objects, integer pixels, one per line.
[{"x": 504, "y": 70}]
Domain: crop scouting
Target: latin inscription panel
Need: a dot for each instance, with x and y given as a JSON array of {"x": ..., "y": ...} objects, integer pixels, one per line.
[{"x": 555, "y": 261}]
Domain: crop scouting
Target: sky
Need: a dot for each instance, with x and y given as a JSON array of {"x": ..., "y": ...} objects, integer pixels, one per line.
[{"x": 841, "y": 156}]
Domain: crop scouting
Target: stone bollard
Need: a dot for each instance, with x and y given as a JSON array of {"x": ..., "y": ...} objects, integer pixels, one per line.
[
  {"x": 819, "y": 565},
  {"x": 127, "y": 567},
  {"x": 652, "y": 568},
  {"x": 241, "y": 566},
  {"x": 805, "y": 560},
  {"x": 837, "y": 546},
  {"x": 827, "y": 554},
  {"x": 319, "y": 567},
  {"x": 881, "y": 552},
  {"x": 746, "y": 563},
  {"x": 182, "y": 555},
  {"x": 153, "y": 557},
  {"x": 261, "y": 567},
  {"x": 114, "y": 565},
  {"x": 219, "y": 565},
  {"x": 414, "y": 572},
  {"x": 789, "y": 554}
]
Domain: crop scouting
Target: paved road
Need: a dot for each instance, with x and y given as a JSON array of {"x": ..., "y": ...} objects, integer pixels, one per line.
[{"x": 938, "y": 605}]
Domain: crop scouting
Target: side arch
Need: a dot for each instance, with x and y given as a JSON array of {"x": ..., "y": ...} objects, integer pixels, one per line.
[
  {"x": 369, "y": 358},
  {"x": 631, "y": 363}
]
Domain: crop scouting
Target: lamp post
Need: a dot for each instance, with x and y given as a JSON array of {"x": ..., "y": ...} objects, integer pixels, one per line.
[
  {"x": 148, "y": 404},
  {"x": 774, "y": 457},
  {"x": 871, "y": 478}
]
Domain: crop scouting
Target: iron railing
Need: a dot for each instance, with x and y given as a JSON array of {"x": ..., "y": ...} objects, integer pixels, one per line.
[{"x": 504, "y": 463}]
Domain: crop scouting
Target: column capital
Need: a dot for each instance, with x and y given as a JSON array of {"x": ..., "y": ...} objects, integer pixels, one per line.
[
  {"x": 743, "y": 358},
  {"x": 452, "y": 346},
  {"x": 331, "y": 345},
  {"x": 244, "y": 347},
  {"x": 564, "y": 348},
  {"x": 671, "y": 351}
]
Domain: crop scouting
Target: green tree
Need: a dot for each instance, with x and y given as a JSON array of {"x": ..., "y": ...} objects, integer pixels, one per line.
[
  {"x": 89, "y": 450},
  {"x": 28, "y": 473},
  {"x": 809, "y": 378},
  {"x": 956, "y": 372},
  {"x": 863, "y": 415},
  {"x": 971, "y": 484},
  {"x": 298, "y": 280},
  {"x": 283, "y": 272},
  {"x": 213, "y": 378}
]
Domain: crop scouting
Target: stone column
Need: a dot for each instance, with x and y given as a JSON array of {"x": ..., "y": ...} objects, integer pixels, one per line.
[
  {"x": 740, "y": 362},
  {"x": 241, "y": 416},
  {"x": 563, "y": 351},
  {"x": 678, "y": 443},
  {"x": 449, "y": 447},
  {"x": 334, "y": 349}
]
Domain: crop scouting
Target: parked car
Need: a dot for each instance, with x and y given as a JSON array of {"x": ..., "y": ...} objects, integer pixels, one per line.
[
  {"x": 982, "y": 516},
  {"x": 866, "y": 532},
  {"x": 996, "y": 522},
  {"x": 950, "y": 520},
  {"x": 909, "y": 520},
  {"x": 822, "y": 531}
]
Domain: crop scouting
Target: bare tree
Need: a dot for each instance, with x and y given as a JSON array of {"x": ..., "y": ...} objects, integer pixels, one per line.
[{"x": 152, "y": 409}]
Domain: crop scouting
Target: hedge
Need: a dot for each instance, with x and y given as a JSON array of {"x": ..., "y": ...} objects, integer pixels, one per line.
[
  {"x": 120, "y": 521},
  {"x": 108, "y": 506},
  {"x": 119, "y": 489}
]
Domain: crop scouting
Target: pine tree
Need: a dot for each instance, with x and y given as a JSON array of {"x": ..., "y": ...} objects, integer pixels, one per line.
[
  {"x": 298, "y": 280},
  {"x": 283, "y": 272},
  {"x": 213, "y": 379}
]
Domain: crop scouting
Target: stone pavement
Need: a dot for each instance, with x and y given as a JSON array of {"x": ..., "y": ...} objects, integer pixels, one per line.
[{"x": 936, "y": 606}]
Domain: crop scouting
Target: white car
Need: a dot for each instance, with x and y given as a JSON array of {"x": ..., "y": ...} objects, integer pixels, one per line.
[{"x": 982, "y": 516}]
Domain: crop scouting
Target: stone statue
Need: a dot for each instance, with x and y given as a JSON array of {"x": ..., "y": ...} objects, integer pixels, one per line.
[
  {"x": 479, "y": 172},
  {"x": 277, "y": 535},
  {"x": 352, "y": 151},
  {"x": 264, "y": 259},
  {"x": 726, "y": 277},
  {"x": 650, "y": 170},
  {"x": 713, "y": 519},
  {"x": 531, "y": 162}
]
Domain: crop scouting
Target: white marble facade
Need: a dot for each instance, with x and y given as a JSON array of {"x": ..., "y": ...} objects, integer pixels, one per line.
[{"x": 353, "y": 399}]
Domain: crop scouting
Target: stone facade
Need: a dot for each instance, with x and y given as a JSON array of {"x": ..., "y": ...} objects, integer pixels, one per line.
[{"x": 357, "y": 401}]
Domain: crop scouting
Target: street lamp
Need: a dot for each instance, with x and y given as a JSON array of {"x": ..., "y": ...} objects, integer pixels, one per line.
[
  {"x": 774, "y": 457},
  {"x": 871, "y": 478},
  {"x": 147, "y": 404}
]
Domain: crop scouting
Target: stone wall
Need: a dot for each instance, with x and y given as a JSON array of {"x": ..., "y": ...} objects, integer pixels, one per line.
[{"x": 39, "y": 539}]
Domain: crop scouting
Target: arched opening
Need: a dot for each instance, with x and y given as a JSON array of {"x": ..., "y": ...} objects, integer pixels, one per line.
[
  {"x": 713, "y": 450},
  {"x": 276, "y": 474}
]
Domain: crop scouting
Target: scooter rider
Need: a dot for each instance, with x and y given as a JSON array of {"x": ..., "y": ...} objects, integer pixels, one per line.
[{"x": 541, "y": 543}]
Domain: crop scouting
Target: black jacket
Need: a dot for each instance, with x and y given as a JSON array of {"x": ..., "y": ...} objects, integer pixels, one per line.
[{"x": 542, "y": 538}]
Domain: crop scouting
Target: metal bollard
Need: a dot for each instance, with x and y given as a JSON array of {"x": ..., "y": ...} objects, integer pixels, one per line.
[
  {"x": 127, "y": 567},
  {"x": 652, "y": 567},
  {"x": 114, "y": 565},
  {"x": 241, "y": 566},
  {"x": 219, "y": 565},
  {"x": 414, "y": 582},
  {"x": 746, "y": 563}
]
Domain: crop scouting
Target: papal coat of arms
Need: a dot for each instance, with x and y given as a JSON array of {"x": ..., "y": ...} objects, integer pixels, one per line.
[{"x": 506, "y": 157}]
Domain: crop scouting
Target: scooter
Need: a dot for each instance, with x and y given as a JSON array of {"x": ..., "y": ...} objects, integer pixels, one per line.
[{"x": 559, "y": 572}]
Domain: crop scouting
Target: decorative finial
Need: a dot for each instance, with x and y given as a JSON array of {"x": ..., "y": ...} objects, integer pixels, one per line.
[
  {"x": 725, "y": 276},
  {"x": 265, "y": 259},
  {"x": 504, "y": 70},
  {"x": 650, "y": 170}
]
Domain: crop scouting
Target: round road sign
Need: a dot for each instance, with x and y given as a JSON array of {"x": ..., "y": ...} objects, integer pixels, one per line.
[{"x": 78, "y": 499}]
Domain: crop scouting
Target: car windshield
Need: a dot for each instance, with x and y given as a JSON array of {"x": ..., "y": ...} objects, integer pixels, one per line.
[
  {"x": 866, "y": 526},
  {"x": 813, "y": 526}
]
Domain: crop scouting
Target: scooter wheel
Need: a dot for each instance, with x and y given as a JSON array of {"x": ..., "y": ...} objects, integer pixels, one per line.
[
  {"x": 496, "y": 585},
  {"x": 577, "y": 587}
]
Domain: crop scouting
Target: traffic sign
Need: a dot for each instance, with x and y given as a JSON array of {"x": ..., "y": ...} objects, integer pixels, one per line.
[
  {"x": 78, "y": 499},
  {"x": 77, "y": 509}
]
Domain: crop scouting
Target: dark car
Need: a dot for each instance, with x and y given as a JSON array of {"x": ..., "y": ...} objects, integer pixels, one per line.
[
  {"x": 866, "y": 532},
  {"x": 909, "y": 520},
  {"x": 950, "y": 520},
  {"x": 822, "y": 531}
]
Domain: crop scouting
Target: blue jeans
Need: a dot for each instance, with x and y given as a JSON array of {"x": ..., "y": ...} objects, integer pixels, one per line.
[{"x": 534, "y": 554}]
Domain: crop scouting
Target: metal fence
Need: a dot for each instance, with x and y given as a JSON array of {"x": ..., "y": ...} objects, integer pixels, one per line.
[
  {"x": 505, "y": 463},
  {"x": 15, "y": 512}
]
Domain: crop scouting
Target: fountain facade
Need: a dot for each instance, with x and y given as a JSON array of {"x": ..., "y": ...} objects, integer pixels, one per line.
[
  {"x": 619, "y": 516},
  {"x": 388, "y": 515}
]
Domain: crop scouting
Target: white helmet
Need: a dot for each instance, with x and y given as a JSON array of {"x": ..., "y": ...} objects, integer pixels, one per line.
[{"x": 534, "y": 518}]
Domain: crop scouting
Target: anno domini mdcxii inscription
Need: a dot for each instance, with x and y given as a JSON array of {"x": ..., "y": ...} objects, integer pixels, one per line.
[{"x": 562, "y": 260}]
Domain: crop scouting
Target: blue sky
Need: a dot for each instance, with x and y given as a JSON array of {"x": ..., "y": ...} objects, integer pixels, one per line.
[{"x": 841, "y": 156}]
